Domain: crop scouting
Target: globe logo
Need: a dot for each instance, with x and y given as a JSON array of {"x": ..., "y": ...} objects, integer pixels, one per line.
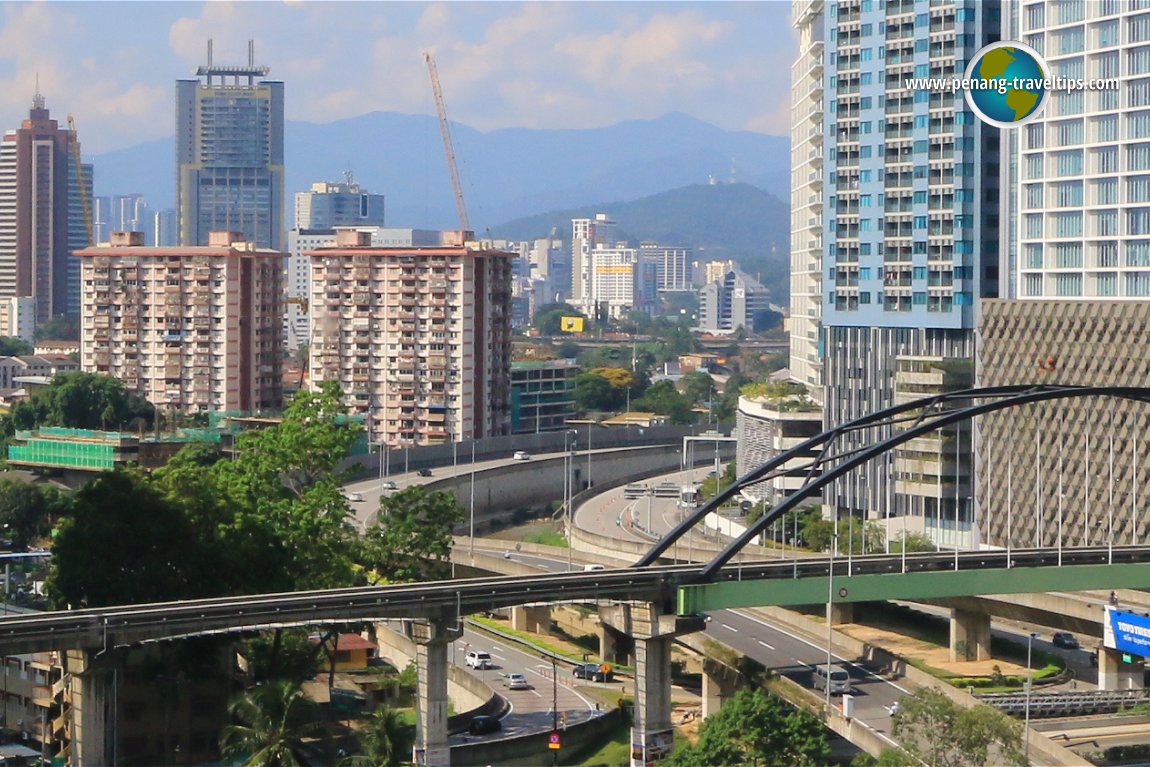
[{"x": 1007, "y": 85}]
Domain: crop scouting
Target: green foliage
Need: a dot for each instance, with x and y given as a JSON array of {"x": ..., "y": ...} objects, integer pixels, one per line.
[
  {"x": 549, "y": 318},
  {"x": 83, "y": 401},
  {"x": 855, "y": 536},
  {"x": 412, "y": 539},
  {"x": 594, "y": 392},
  {"x": 758, "y": 729},
  {"x": 59, "y": 328},
  {"x": 547, "y": 538},
  {"x": 663, "y": 398},
  {"x": 26, "y": 511},
  {"x": 14, "y": 347},
  {"x": 274, "y": 725},
  {"x": 385, "y": 740},
  {"x": 726, "y": 405},
  {"x": 285, "y": 654},
  {"x": 936, "y": 731},
  {"x": 698, "y": 387},
  {"x": 912, "y": 542},
  {"x": 125, "y": 543}
]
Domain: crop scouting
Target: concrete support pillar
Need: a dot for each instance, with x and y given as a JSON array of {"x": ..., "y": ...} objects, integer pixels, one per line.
[
  {"x": 652, "y": 736},
  {"x": 537, "y": 618},
  {"x": 719, "y": 683},
  {"x": 1116, "y": 674},
  {"x": 432, "y": 639},
  {"x": 839, "y": 613},
  {"x": 969, "y": 635}
]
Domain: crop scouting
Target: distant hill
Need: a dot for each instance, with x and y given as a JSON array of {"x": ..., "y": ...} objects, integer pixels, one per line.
[
  {"x": 506, "y": 174},
  {"x": 720, "y": 221}
]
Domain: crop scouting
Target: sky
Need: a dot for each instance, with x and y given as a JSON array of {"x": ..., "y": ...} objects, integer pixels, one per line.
[{"x": 113, "y": 65}]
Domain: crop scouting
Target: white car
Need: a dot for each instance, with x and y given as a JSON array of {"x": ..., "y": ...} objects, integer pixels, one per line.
[
  {"x": 478, "y": 659},
  {"x": 389, "y": 485},
  {"x": 516, "y": 682},
  {"x": 522, "y": 455},
  {"x": 355, "y": 497}
]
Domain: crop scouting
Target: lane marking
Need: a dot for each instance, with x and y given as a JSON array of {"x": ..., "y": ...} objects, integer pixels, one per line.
[
  {"x": 764, "y": 644},
  {"x": 729, "y": 627}
]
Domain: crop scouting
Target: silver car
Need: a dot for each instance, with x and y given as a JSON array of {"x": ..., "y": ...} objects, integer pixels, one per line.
[{"x": 516, "y": 682}]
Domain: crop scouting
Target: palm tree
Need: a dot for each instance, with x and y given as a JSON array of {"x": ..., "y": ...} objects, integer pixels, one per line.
[
  {"x": 385, "y": 739},
  {"x": 272, "y": 721}
]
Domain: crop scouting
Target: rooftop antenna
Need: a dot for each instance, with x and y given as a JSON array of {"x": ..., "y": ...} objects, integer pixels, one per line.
[
  {"x": 209, "y": 53},
  {"x": 348, "y": 176},
  {"x": 37, "y": 99},
  {"x": 251, "y": 53}
]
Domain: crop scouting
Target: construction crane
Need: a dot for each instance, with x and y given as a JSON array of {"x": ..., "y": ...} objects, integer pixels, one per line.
[
  {"x": 85, "y": 203},
  {"x": 441, "y": 110}
]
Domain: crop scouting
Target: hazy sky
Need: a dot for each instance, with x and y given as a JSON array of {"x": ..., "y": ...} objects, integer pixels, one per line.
[{"x": 113, "y": 65}]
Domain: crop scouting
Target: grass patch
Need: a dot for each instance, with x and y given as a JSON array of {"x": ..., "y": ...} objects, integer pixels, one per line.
[
  {"x": 532, "y": 640},
  {"x": 614, "y": 752},
  {"x": 546, "y": 538}
]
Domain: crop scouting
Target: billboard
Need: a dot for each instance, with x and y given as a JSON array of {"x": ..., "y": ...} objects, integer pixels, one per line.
[
  {"x": 1127, "y": 632},
  {"x": 571, "y": 324}
]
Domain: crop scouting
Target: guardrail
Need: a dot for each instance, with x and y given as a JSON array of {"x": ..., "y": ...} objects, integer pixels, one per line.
[{"x": 1067, "y": 703}]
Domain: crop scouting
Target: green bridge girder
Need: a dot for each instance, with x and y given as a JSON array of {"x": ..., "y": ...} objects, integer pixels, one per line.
[{"x": 914, "y": 585}]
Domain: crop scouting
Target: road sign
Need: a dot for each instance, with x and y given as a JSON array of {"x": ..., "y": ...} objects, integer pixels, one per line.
[
  {"x": 604, "y": 668},
  {"x": 553, "y": 741}
]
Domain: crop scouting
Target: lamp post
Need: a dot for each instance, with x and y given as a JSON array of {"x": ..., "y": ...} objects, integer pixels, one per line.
[
  {"x": 830, "y": 606},
  {"x": 1029, "y": 684},
  {"x": 471, "y": 543},
  {"x": 554, "y": 706},
  {"x": 569, "y": 463}
]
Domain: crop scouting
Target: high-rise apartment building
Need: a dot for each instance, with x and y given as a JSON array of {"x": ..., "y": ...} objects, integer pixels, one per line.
[
  {"x": 230, "y": 154},
  {"x": 672, "y": 265},
  {"x": 418, "y": 337},
  {"x": 189, "y": 328},
  {"x": 1078, "y": 217},
  {"x": 909, "y": 207},
  {"x": 735, "y": 301},
  {"x": 41, "y": 214},
  {"x": 122, "y": 213},
  {"x": 807, "y": 159},
  {"x": 586, "y": 234},
  {"x": 317, "y": 214}
]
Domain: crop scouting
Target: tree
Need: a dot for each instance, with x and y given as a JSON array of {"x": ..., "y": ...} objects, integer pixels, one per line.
[
  {"x": 385, "y": 739},
  {"x": 412, "y": 539},
  {"x": 26, "y": 510},
  {"x": 663, "y": 398},
  {"x": 758, "y": 729},
  {"x": 14, "y": 347},
  {"x": 912, "y": 542},
  {"x": 698, "y": 387},
  {"x": 125, "y": 543},
  {"x": 59, "y": 328},
  {"x": 549, "y": 318},
  {"x": 935, "y": 730},
  {"x": 274, "y": 726},
  {"x": 594, "y": 392},
  {"x": 83, "y": 401}
]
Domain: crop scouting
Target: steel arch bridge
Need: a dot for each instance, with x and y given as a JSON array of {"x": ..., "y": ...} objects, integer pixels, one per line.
[{"x": 821, "y": 459}]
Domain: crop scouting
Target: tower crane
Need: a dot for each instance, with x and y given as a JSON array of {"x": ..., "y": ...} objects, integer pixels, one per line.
[
  {"x": 85, "y": 203},
  {"x": 441, "y": 110}
]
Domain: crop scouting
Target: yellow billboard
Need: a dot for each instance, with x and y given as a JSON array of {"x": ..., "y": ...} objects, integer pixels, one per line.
[{"x": 571, "y": 324}]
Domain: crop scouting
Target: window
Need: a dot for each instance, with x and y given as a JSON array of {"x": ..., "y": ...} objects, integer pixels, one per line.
[
  {"x": 1032, "y": 255},
  {"x": 1138, "y": 29},
  {"x": 1068, "y": 133},
  {"x": 1107, "y": 284},
  {"x": 1034, "y": 136},
  {"x": 1068, "y": 194},
  {"x": 1073, "y": 68},
  {"x": 1106, "y": 35},
  {"x": 1034, "y": 166},
  {"x": 1069, "y": 11},
  {"x": 1069, "y": 103},
  {"x": 1033, "y": 194},
  {"x": 1068, "y": 255},
  {"x": 1138, "y": 284},
  {"x": 1107, "y": 254},
  {"x": 1068, "y": 284},
  {"x": 1137, "y": 157},
  {"x": 1067, "y": 224},
  {"x": 1106, "y": 191},
  {"x": 1107, "y": 99},
  {"x": 1138, "y": 60},
  {"x": 1106, "y": 223},
  {"x": 1069, "y": 41},
  {"x": 1105, "y": 160},
  {"x": 1033, "y": 225},
  {"x": 1068, "y": 163},
  {"x": 1138, "y": 222},
  {"x": 1138, "y": 189},
  {"x": 1137, "y": 93},
  {"x": 1138, "y": 253},
  {"x": 1032, "y": 285}
]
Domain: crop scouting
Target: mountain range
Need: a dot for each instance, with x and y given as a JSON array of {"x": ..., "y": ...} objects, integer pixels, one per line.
[
  {"x": 720, "y": 221},
  {"x": 506, "y": 174}
]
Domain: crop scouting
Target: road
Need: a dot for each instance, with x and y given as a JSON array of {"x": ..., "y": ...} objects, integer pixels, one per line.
[{"x": 530, "y": 709}]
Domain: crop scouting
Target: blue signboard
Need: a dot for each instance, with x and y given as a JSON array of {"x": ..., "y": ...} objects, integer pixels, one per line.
[{"x": 1131, "y": 632}]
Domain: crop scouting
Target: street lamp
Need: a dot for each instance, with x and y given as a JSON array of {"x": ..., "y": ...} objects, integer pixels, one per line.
[
  {"x": 1029, "y": 684},
  {"x": 568, "y": 474}
]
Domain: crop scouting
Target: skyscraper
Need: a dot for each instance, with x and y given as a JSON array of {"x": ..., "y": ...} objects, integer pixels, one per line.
[
  {"x": 230, "y": 154},
  {"x": 41, "y": 214},
  {"x": 909, "y": 207}
]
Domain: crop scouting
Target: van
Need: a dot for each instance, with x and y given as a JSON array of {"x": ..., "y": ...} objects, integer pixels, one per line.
[
  {"x": 835, "y": 677},
  {"x": 478, "y": 659}
]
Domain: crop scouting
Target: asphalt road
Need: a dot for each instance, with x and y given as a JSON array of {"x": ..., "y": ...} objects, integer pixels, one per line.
[{"x": 531, "y": 708}]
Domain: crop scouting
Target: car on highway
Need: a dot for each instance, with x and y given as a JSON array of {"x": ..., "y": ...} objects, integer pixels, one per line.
[
  {"x": 596, "y": 672},
  {"x": 522, "y": 455},
  {"x": 515, "y": 681},
  {"x": 482, "y": 725},
  {"x": 427, "y": 473},
  {"x": 478, "y": 659},
  {"x": 355, "y": 497},
  {"x": 1065, "y": 640},
  {"x": 593, "y": 568},
  {"x": 389, "y": 485}
]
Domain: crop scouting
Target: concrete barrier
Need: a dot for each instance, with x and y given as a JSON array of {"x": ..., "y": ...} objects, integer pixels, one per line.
[{"x": 531, "y": 750}]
